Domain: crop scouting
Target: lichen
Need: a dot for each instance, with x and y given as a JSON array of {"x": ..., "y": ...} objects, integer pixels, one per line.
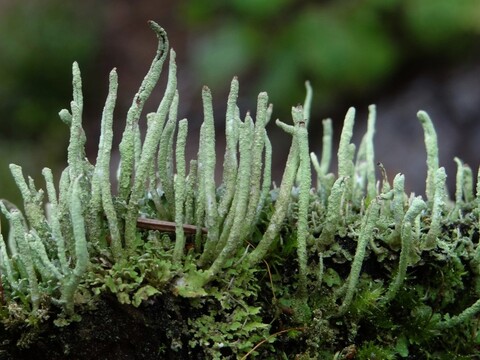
[{"x": 351, "y": 268}]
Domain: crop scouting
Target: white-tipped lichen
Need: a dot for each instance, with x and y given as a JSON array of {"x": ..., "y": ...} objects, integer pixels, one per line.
[
  {"x": 431, "y": 145},
  {"x": 370, "y": 153},
  {"x": 346, "y": 152}
]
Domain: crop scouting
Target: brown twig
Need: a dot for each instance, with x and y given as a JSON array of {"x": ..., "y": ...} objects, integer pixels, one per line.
[{"x": 167, "y": 226}]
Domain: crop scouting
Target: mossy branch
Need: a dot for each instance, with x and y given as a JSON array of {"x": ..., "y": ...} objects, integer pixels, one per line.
[{"x": 237, "y": 223}]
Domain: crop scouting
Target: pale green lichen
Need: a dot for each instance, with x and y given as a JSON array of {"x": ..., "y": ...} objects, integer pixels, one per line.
[
  {"x": 230, "y": 161},
  {"x": 370, "y": 154},
  {"x": 127, "y": 145},
  {"x": 366, "y": 233},
  {"x": 438, "y": 209},
  {"x": 334, "y": 212},
  {"x": 165, "y": 146},
  {"x": 54, "y": 220},
  {"x": 206, "y": 168},
  {"x": 71, "y": 281},
  {"x": 282, "y": 201},
  {"x": 465, "y": 315},
  {"x": 416, "y": 207},
  {"x": 346, "y": 152},
  {"x": 256, "y": 164},
  {"x": 398, "y": 202},
  {"x": 102, "y": 167},
  {"x": 235, "y": 233},
  {"x": 101, "y": 194},
  {"x": 431, "y": 144},
  {"x": 318, "y": 241},
  {"x": 305, "y": 180},
  {"x": 327, "y": 147},
  {"x": 148, "y": 151},
  {"x": 267, "y": 175},
  {"x": 25, "y": 256},
  {"x": 180, "y": 190}
]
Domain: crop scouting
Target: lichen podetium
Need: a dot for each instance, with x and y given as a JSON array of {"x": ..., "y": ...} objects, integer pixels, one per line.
[{"x": 351, "y": 266}]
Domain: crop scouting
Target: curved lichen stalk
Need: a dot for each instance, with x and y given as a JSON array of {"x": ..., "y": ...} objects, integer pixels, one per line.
[
  {"x": 149, "y": 147},
  {"x": 417, "y": 206},
  {"x": 127, "y": 145}
]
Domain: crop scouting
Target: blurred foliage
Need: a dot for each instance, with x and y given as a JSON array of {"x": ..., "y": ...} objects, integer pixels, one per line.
[
  {"x": 343, "y": 47},
  {"x": 40, "y": 40}
]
